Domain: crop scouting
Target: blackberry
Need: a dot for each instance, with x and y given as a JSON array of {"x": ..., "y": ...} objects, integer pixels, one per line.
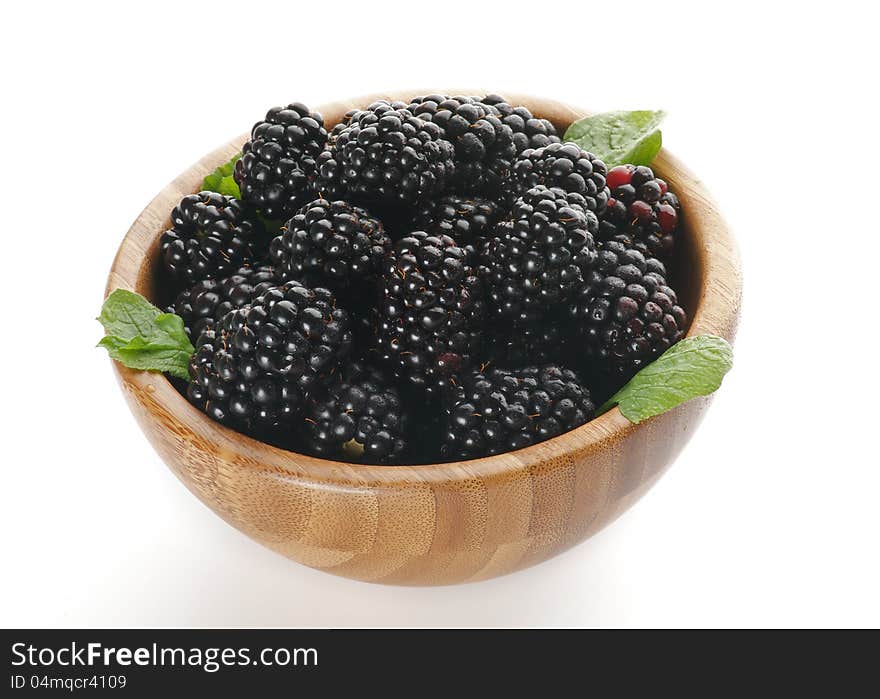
[
  {"x": 641, "y": 207},
  {"x": 386, "y": 155},
  {"x": 502, "y": 410},
  {"x": 359, "y": 418},
  {"x": 563, "y": 165},
  {"x": 205, "y": 303},
  {"x": 465, "y": 219},
  {"x": 211, "y": 235},
  {"x": 334, "y": 243},
  {"x": 537, "y": 259},
  {"x": 484, "y": 146},
  {"x": 278, "y": 162},
  {"x": 528, "y": 130},
  {"x": 255, "y": 369},
  {"x": 267, "y": 407},
  {"x": 626, "y": 315},
  {"x": 430, "y": 315}
]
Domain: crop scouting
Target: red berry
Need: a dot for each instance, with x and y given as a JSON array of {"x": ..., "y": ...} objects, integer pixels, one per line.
[
  {"x": 449, "y": 361},
  {"x": 663, "y": 186},
  {"x": 619, "y": 175},
  {"x": 668, "y": 218},
  {"x": 641, "y": 209}
]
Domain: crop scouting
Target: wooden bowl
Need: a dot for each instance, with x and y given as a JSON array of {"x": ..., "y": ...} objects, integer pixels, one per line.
[{"x": 440, "y": 523}]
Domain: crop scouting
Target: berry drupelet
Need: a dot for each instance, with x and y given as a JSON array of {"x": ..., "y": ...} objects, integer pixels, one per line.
[
  {"x": 430, "y": 316},
  {"x": 255, "y": 369},
  {"x": 385, "y": 155},
  {"x": 277, "y": 164},
  {"x": 501, "y": 410},
  {"x": 641, "y": 207},
  {"x": 206, "y": 302},
  {"x": 539, "y": 255},
  {"x": 528, "y": 130},
  {"x": 466, "y": 219},
  {"x": 334, "y": 244},
  {"x": 626, "y": 315},
  {"x": 484, "y": 146},
  {"x": 563, "y": 165},
  {"x": 358, "y": 418},
  {"x": 211, "y": 235}
]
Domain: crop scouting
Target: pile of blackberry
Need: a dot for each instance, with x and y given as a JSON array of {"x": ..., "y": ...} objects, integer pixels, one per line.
[{"x": 435, "y": 279}]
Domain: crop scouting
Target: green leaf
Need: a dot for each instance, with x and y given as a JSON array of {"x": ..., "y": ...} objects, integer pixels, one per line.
[
  {"x": 221, "y": 180},
  {"x": 618, "y": 138},
  {"x": 693, "y": 367},
  {"x": 141, "y": 336},
  {"x": 171, "y": 361}
]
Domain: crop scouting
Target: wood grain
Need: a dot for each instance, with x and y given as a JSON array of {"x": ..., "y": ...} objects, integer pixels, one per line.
[{"x": 442, "y": 523}]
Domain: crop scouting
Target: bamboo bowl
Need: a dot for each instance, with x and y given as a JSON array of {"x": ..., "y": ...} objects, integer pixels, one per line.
[{"x": 429, "y": 524}]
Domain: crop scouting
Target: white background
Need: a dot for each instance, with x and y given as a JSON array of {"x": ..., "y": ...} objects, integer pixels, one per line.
[{"x": 770, "y": 516}]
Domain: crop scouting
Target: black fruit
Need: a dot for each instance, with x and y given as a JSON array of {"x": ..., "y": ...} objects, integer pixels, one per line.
[
  {"x": 385, "y": 155},
  {"x": 333, "y": 244},
  {"x": 501, "y": 410},
  {"x": 206, "y": 302},
  {"x": 255, "y": 369},
  {"x": 278, "y": 162},
  {"x": 642, "y": 208},
  {"x": 627, "y": 315},
  {"x": 484, "y": 147},
  {"x": 528, "y": 130},
  {"x": 264, "y": 406},
  {"x": 539, "y": 255},
  {"x": 563, "y": 165},
  {"x": 466, "y": 219},
  {"x": 431, "y": 307},
  {"x": 359, "y": 417},
  {"x": 211, "y": 236}
]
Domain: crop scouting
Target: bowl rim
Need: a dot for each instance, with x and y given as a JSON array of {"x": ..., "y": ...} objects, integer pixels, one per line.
[{"x": 716, "y": 310}]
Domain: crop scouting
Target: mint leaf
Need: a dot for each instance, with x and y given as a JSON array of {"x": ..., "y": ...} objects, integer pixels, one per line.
[
  {"x": 174, "y": 362},
  {"x": 221, "y": 180},
  {"x": 617, "y": 138},
  {"x": 690, "y": 368},
  {"x": 141, "y": 336}
]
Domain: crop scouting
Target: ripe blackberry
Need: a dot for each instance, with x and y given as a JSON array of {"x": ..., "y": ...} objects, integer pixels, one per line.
[
  {"x": 211, "y": 235},
  {"x": 277, "y": 164},
  {"x": 206, "y": 302},
  {"x": 268, "y": 407},
  {"x": 430, "y": 315},
  {"x": 358, "y": 418},
  {"x": 563, "y": 165},
  {"x": 466, "y": 219},
  {"x": 528, "y": 130},
  {"x": 385, "y": 154},
  {"x": 642, "y": 207},
  {"x": 502, "y": 410},
  {"x": 484, "y": 146},
  {"x": 538, "y": 257},
  {"x": 256, "y": 367},
  {"x": 626, "y": 315},
  {"x": 334, "y": 243}
]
